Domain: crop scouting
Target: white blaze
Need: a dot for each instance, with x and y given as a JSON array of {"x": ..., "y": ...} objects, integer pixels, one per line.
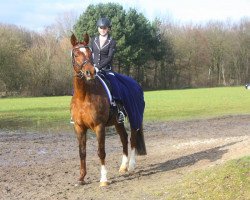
[{"x": 83, "y": 49}]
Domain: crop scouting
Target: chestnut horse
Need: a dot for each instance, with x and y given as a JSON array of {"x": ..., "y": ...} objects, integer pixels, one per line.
[{"x": 90, "y": 109}]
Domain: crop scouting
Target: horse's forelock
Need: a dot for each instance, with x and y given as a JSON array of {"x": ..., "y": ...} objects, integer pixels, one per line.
[{"x": 84, "y": 43}]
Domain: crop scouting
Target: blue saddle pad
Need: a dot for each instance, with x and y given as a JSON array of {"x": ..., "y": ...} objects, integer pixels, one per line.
[{"x": 130, "y": 93}]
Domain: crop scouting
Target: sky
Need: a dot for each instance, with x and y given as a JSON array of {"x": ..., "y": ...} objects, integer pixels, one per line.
[{"x": 37, "y": 14}]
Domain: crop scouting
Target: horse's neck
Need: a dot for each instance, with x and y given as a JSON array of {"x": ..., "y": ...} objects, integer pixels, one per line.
[
  {"x": 83, "y": 88},
  {"x": 80, "y": 88}
]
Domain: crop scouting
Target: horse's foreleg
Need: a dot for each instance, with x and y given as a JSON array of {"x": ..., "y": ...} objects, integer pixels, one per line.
[
  {"x": 124, "y": 139},
  {"x": 100, "y": 133},
  {"x": 81, "y": 136},
  {"x": 132, "y": 161}
]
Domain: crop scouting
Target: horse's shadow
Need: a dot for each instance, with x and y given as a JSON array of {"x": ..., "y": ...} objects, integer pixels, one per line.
[{"x": 212, "y": 155}]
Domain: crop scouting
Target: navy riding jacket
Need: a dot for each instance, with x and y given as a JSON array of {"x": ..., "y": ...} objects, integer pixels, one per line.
[{"x": 102, "y": 57}]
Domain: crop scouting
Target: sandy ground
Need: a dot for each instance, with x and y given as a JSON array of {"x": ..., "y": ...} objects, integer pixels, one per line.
[{"x": 46, "y": 165}]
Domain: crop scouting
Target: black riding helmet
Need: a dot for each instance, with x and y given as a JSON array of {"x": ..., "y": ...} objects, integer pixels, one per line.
[{"x": 103, "y": 22}]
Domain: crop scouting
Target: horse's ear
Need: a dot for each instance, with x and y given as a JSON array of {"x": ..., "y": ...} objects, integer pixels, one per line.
[
  {"x": 86, "y": 38},
  {"x": 73, "y": 40}
]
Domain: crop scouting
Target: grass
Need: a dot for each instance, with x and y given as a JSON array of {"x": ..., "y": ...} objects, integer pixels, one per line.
[
  {"x": 37, "y": 112},
  {"x": 160, "y": 106},
  {"x": 230, "y": 181},
  {"x": 196, "y": 103}
]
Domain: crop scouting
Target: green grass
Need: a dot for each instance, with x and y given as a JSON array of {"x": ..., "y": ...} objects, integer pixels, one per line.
[
  {"x": 39, "y": 112},
  {"x": 230, "y": 181},
  {"x": 160, "y": 106},
  {"x": 196, "y": 103}
]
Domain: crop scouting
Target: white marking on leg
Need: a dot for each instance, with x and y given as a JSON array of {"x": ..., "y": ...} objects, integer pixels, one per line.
[
  {"x": 132, "y": 160},
  {"x": 103, "y": 174},
  {"x": 124, "y": 161},
  {"x": 124, "y": 164}
]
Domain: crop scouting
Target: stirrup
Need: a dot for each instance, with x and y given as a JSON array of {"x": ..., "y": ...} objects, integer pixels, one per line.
[{"x": 120, "y": 117}]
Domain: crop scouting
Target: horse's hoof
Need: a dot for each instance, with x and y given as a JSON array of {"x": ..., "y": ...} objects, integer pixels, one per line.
[
  {"x": 104, "y": 184},
  {"x": 79, "y": 183},
  {"x": 123, "y": 170}
]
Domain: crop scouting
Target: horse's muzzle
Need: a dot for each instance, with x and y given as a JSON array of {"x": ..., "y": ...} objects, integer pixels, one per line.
[{"x": 89, "y": 76}]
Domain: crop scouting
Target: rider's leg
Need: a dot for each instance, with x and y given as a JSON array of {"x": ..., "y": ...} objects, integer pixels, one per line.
[
  {"x": 121, "y": 113},
  {"x": 116, "y": 95}
]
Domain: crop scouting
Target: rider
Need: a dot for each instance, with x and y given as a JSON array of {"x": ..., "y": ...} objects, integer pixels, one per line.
[{"x": 103, "y": 49}]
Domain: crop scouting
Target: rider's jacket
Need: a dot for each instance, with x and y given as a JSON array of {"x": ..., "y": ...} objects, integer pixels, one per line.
[{"x": 102, "y": 56}]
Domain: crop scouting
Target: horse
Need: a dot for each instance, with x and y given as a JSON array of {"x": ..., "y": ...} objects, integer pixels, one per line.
[{"x": 90, "y": 109}]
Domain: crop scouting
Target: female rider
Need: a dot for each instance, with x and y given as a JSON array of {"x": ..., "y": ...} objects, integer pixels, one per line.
[{"x": 103, "y": 48}]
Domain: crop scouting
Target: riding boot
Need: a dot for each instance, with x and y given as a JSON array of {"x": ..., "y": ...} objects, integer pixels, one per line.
[{"x": 120, "y": 115}]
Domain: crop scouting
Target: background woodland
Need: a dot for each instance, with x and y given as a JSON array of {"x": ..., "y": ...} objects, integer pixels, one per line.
[{"x": 162, "y": 54}]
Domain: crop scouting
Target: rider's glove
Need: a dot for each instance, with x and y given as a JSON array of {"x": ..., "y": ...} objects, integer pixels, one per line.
[{"x": 96, "y": 70}]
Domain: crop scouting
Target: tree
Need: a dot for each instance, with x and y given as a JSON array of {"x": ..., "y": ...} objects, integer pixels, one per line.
[
  {"x": 64, "y": 24},
  {"x": 48, "y": 65},
  {"x": 87, "y": 20},
  {"x": 13, "y": 43},
  {"x": 131, "y": 30},
  {"x": 162, "y": 55},
  {"x": 244, "y": 52}
]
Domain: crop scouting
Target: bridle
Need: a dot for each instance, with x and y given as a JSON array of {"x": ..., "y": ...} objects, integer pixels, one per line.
[{"x": 80, "y": 66}]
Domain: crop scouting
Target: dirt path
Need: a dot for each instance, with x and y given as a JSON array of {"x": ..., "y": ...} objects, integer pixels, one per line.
[{"x": 46, "y": 165}]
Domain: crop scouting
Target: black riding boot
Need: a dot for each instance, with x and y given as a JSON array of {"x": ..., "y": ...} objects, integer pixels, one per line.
[{"x": 120, "y": 115}]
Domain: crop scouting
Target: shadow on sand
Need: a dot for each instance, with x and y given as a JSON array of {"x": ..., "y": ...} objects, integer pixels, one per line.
[{"x": 212, "y": 155}]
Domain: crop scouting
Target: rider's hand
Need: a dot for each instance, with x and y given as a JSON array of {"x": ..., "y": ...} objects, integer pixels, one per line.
[{"x": 96, "y": 70}]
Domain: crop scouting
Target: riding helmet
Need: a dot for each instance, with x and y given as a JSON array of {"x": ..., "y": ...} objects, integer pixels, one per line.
[{"x": 103, "y": 22}]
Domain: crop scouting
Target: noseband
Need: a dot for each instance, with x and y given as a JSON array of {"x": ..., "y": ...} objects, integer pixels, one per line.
[{"x": 81, "y": 72}]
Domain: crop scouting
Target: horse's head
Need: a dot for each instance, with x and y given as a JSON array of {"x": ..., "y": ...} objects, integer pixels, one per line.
[{"x": 81, "y": 54}]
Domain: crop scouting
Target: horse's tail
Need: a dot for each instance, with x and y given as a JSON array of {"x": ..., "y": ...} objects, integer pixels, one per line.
[{"x": 140, "y": 143}]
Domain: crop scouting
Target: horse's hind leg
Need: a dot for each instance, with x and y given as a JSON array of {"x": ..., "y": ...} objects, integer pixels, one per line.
[
  {"x": 132, "y": 160},
  {"x": 138, "y": 146},
  {"x": 124, "y": 139}
]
